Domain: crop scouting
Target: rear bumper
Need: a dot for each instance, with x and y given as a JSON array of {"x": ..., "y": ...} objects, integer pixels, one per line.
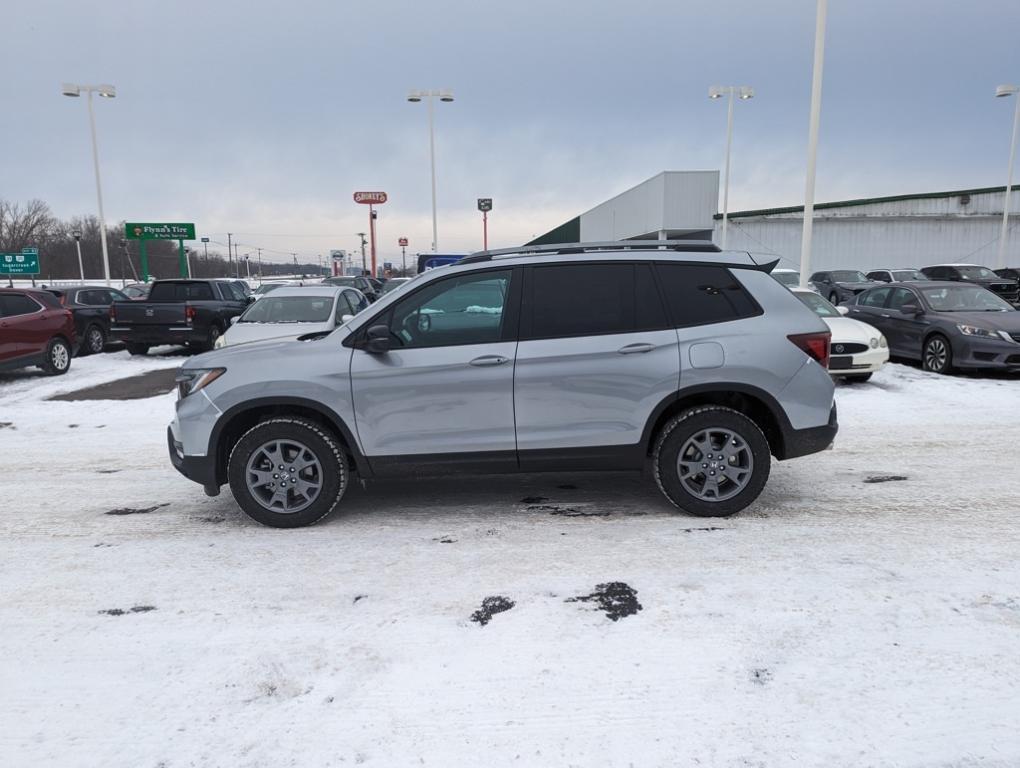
[
  {"x": 199, "y": 469},
  {"x": 802, "y": 442},
  {"x": 159, "y": 334}
]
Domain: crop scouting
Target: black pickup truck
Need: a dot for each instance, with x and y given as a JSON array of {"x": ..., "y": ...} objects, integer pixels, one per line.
[{"x": 192, "y": 312}]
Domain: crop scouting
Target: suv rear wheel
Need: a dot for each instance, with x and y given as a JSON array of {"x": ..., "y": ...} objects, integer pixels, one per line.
[
  {"x": 287, "y": 472},
  {"x": 58, "y": 357},
  {"x": 711, "y": 461}
]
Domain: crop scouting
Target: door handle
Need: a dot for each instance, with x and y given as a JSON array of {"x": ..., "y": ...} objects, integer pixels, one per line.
[
  {"x": 636, "y": 349},
  {"x": 489, "y": 360},
  {"x": 885, "y": 315}
]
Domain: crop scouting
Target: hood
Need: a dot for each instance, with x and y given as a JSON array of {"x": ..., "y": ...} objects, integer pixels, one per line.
[
  {"x": 243, "y": 333},
  {"x": 858, "y": 286},
  {"x": 849, "y": 331},
  {"x": 995, "y": 321},
  {"x": 274, "y": 350}
]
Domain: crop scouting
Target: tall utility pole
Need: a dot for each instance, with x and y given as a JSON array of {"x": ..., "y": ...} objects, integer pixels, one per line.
[
  {"x": 1001, "y": 91},
  {"x": 260, "y": 265},
  {"x": 229, "y": 235},
  {"x": 294, "y": 256},
  {"x": 415, "y": 97},
  {"x": 816, "y": 109},
  {"x": 364, "y": 264},
  {"x": 77, "y": 242}
]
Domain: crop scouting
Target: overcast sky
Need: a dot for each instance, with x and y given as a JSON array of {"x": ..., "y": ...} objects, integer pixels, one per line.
[{"x": 263, "y": 118}]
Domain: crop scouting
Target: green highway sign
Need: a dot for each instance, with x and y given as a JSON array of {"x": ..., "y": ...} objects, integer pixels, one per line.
[
  {"x": 24, "y": 263},
  {"x": 142, "y": 231}
]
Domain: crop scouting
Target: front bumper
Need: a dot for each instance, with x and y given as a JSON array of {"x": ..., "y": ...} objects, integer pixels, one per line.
[
  {"x": 199, "y": 469},
  {"x": 859, "y": 363},
  {"x": 976, "y": 352}
]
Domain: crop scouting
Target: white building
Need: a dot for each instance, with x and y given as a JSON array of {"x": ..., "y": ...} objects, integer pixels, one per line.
[{"x": 898, "y": 231}]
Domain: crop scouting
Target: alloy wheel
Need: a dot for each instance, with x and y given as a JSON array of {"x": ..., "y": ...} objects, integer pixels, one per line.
[
  {"x": 284, "y": 476},
  {"x": 60, "y": 356},
  {"x": 94, "y": 340},
  {"x": 935, "y": 355},
  {"x": 715, "y": 464}
]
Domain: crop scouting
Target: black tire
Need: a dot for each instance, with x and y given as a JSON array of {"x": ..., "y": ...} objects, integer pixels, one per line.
[
  {"x": 858, "y": 378},
  {"x": 138, "y": 349},
  {"x": 93, "y": 341},
  {"x": 320, "y": 442},
  {"x": 937, "y": 355},
  {"x": 210, "y": 340},
  {"x": 58, "y": 357},
  {"x": 699, "y": 421}
]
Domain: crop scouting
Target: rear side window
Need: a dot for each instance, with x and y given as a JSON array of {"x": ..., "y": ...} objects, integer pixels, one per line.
[
  {"x": 568, "y": 300},
  {"x": 700, "y": 294},
  {"x": 14, "y": 304}
]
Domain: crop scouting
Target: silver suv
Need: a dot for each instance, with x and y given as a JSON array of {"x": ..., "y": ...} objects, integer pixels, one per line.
[{"x": 609, "y": 356}]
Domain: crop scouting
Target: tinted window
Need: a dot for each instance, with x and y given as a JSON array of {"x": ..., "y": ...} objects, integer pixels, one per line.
[
  {"x": 902, "y": 296},
  {"x": 181, "y": 292},
  {"x": 909, "y": 274},
  {"x": 95, "y": 297},
  {"x": 462, "y": 310},
  {"x": 236, "y": 292},
  {"x": 875, "y": 298},
  {"x": 117, "y": 296},
  {"x": 848, "y": 276},
  {"x": 883, "y": 276},
  {"x": 581, "y": 300},
  {"x": 343, "y": 307},
  {"x": 13, "y": 304},
  {"x": 817, "y": 304},
  {"x": 696, "y": 295}
]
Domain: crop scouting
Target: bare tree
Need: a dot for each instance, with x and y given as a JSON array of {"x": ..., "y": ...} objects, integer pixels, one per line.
[{"x": 22, "y": 226}]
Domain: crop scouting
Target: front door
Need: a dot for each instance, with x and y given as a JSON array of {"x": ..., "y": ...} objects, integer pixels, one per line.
[
  {"x": 904, "y": 332},
  {"x": 443, "y": 393}
]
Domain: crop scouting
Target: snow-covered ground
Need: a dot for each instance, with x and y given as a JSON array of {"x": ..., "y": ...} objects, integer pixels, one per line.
[{"x": 838, "y": 622}]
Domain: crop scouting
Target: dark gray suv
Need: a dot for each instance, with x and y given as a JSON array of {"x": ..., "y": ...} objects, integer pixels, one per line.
[{"x": 570, "y": 357}]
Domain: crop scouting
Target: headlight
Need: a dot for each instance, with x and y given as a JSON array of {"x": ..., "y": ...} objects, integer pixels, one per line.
[
  {"x": 973, "y": 330},
  {"x": 882, "y": 342},
  {"x": 220, "y": 342},
  {"x": 189, "y": 382},
  {"x": 873, "y": 342}
]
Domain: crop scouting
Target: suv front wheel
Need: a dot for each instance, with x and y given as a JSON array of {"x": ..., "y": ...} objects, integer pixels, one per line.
[
  {"x": 287, "y": 472},
  {"x": 711, "y": 461}
]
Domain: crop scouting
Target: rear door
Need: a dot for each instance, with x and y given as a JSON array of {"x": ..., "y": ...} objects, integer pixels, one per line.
[
  {"x": 870, "y": 308},
  {"x": 23, "y": 329},
  {"x": 596, "y": 355}
]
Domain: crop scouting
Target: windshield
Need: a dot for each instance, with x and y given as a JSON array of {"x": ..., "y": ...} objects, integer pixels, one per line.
[
  {"x": 908, "y": 274},
  {"x": 964, "y": 298},
  {"x": 346, "y": 281},
  {"x": 976, "y": 273},
  {"x": 849, "y": 276},
  {"x": 787, "y": 278},
  {"x": 289, "y": 309},
  {"x": 818, "y": 305}
]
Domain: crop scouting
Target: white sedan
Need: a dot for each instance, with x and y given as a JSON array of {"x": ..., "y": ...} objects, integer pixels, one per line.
[
  {"x": 857, "y": 349},
  {"x": 290, "y": 312}
]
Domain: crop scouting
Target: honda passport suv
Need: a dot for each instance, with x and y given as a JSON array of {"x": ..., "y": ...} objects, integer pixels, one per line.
[{"x": 666, "y": 355}]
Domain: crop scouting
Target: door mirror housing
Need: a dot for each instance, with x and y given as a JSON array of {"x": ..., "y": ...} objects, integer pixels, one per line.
[
  {"x": 911, "y": 309},
  {"x": 346, "y": 318},
  {"x": 234, "y": 319},
  {"x": 843, "y": 310},
  {"x": 377, "y": 339}
]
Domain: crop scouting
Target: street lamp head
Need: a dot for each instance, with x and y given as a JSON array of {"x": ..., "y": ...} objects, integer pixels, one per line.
[
  {"x": 414, "y": 97},
  {"x": 106, "y": 90},
  {"x": 446, "y": 95},
  {"x": 746, "y": 92},
  {"x": 76, "y": 234},
  {"x": 70, "y": 89},
  {"x": 1006, "y": 90},
  {"x": 716, "y": 92}
]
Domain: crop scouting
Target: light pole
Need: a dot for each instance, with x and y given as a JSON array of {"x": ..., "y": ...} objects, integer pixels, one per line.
[
  {"x": 187, "y": 259},
  {"x": 229, "y": 256},
  {"x": 1001, "y": 92},
  {"x": 414, "y": 97},
  {"x": 364, "y": 264},
  {"x": 77, "y": 244},
  {"x": 107, "y": 92},
  {"x": 816, "y": 110},
  {"x": 742, "y": 92}
]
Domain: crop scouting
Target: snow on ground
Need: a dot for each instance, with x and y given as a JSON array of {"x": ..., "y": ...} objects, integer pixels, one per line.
[{"x": 837, "y": 622}]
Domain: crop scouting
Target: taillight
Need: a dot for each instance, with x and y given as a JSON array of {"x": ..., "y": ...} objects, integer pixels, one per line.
[
  {"x": 189, "y": 313},
  {"x": 113, "y": 313},
  {"x": 63, "y": 299},
  {"x": 816, "y": 345}
]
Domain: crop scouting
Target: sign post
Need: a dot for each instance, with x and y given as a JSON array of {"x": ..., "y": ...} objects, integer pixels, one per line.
[
  {"x": 160, "y": 231},
  {"x": 402, "y": 242},
  {"x": 371, "y": 199},
  {"x": 485, "y": 205}
]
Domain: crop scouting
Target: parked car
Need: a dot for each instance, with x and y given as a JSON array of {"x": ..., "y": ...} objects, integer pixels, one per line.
[
  {"x": 898, "y": 275},
  {"x": 841, "y": 284},
  {"x": 292, "y": 312},
  {"x": 523, "y": 362},
  {"x": 857, "y": 350},
  {"x": 35, "y": 330},
  {"x": 192, "y": 312},
  {"x": 945, "y": 325},
  {"x": 136, "y": 291},
  {"x": 90, "y": 306},
  {"x": 788, "y": 277},
  {"x": 1010, "y": 273},
  {"x": 363, "y": 284},
  {"x": 976, "y": 275}
]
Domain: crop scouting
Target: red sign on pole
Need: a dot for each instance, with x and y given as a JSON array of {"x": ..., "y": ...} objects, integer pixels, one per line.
[
  {"x": 402, "y": 242},
  {"x": 370, "y": 198}
]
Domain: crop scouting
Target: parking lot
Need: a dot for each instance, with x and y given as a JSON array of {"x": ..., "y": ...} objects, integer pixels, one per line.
[{"x": 864, "y": 611}]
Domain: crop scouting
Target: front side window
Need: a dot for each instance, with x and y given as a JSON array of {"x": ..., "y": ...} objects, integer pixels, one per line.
[
  {"x": 14, "y": 304},
  {"x": 698, "y": 294},
  {"x": 468, "y": 309},
  {"x": 875, "y": 298},
  {"x": 289, "y": 309},
  {"x": 900, "y": 297}
]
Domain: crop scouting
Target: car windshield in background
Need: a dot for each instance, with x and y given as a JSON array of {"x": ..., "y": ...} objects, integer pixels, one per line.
[
  {"x": 391, "y": 285},
  {"x": 787, "y": 278},
  {"x": 818, "y": 305},
  {"x": 265, "y": 288},
  {"x": 909, "y": 274},
  {"x": 964, "y": 298},
  {"x": 289, "y": 309},
  {"x": 976, "y": 273},
  {"x": 342, "y": 281},
  {"x": 848, "y": 276}
]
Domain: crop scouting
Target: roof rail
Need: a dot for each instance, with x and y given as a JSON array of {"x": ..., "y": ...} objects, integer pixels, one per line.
[{"x": 611, "y": 245}]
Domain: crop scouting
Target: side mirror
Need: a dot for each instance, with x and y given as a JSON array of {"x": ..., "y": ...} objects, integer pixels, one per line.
[
  {"x": 910, "y": 309},
  {"x": 249, "y": 300},
  {"x": 378, "y": 339},
  {"x": 234, "y": 319},
  {"x": 843, "y": 310},
  {"x": 346, "y": 318}
]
